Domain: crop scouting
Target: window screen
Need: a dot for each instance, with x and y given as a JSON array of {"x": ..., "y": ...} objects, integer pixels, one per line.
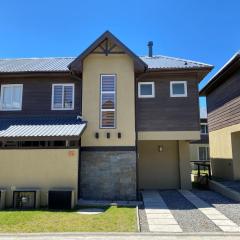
[
  {"x": 11, "y": 97},
  {"x": 63, "y": 97}
]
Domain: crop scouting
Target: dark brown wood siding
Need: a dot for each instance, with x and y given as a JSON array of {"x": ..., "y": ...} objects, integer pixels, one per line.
[
  {"x": 165, "y": 113},
  {"x": 223, "y": 103},
  {"x": 37, "y": 96}
]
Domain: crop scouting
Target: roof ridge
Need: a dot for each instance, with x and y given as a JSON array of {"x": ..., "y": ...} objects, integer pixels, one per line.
[{"x": 180, "y": 59}]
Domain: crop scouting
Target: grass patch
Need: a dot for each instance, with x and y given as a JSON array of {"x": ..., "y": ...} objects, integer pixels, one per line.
[
  {"x": 114, "y": 219},
  {"x": 195, "y": 172}
]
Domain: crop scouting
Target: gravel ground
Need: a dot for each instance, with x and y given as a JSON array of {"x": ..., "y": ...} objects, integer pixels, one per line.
[
  {"x": 188, "y": 217},
  {"x": 228, "y": 207},
  {"x": 143, "y": 219},
  {"x": 235, "y": 185}
]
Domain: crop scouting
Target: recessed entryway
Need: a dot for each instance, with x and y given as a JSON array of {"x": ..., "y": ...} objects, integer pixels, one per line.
[{"x": 158, "y": 165}]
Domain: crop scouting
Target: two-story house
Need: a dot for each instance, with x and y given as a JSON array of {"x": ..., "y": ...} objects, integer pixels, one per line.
[
  {"x": 223, "y": 107},
  {"x": 102, "y": 125}
]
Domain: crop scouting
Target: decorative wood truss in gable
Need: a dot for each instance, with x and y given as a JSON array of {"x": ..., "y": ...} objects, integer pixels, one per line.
[{"x": 107, "y": 47}]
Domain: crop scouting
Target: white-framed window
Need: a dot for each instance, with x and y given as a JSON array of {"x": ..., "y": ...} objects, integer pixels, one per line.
[
  {"x": 63, "y": 96},
  {"x": 203, "y": 153},
  {"x": 11, "y": 97},
  {"x": 178, "y": 89},
  {"x": 204, "y": 128},
  {"x": 146, "y": 90},
  {"x": 108, "y": 101}
]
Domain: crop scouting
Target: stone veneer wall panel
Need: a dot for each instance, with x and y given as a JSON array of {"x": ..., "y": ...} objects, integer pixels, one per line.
[{"x": 108, "y": 175}]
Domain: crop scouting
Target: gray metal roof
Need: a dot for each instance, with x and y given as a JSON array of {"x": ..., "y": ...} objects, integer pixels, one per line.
[
  {"x": 41, "y": 127},
  {"x": 35, "y": 64},
  {"x": 60, "y": 64},
  {"x": 165, "y": 62}
]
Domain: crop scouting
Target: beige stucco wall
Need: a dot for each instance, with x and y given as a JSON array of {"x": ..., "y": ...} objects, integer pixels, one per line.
[
  {"x": 169, "y": 135},
  {"x": 169, "y": 169},
  {"x": 43, "y": 169},
  {"x": 224, "y": 158},
  {"x": 122, "y": 66},
  {"x": 184, "y": 165}
]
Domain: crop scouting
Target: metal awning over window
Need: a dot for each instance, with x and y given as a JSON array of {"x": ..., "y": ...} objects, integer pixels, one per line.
[{"x": 41, "y": 128}]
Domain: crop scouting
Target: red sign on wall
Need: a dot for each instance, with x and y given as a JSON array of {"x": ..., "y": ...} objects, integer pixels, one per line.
[{"x": 71, "y": 153}]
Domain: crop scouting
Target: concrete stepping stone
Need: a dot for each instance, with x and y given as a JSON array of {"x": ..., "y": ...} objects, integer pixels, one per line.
[
  {"x": 219, "y": 219},
  {"x": 159, "y": 217}
]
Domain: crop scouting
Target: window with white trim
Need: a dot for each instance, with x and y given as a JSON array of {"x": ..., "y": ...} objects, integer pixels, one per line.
[
  {"x": 108, "y": 101},
  {"x": 62, "y": 96},
  {"x": 146, "y": 90},
  {"x": 178, "y": 89},
  {"x": 11, "y": 97},
  {"x": 204, "y": 128},
  {"x": 203, "y": 153}
]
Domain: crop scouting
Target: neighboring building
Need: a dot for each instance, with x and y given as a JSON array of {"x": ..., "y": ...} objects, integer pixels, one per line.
[
  {"x": 138, "y": 115},
  {"x": 223, "y": 107},
  {"x": 199, "y": 150}
]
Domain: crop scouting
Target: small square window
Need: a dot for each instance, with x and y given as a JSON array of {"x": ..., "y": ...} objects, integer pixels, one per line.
[
  {"x": 178, "y": 89},
  {"x": 146, "y": 90}
]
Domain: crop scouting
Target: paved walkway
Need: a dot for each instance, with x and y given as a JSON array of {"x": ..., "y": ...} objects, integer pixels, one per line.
[
  {"x": 224, "y": 223},
  {"x": 159, "y": 217}
]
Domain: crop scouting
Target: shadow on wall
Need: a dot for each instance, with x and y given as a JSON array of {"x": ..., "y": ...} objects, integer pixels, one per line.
[{"x": 222, "y": 168}]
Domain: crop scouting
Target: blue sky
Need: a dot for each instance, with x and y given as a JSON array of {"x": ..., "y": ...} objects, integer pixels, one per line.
[{"x": 206, "y": 30}]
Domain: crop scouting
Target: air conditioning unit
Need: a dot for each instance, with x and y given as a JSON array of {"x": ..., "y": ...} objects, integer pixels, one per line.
[
  {"x": 61, "y": 199},
  {"x": 26, "y": 198},
  {"x": 2, "y": 198}
]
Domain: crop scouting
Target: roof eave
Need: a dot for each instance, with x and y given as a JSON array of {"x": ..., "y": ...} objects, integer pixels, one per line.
[
  {"x": 181, "y": 69},
  {"x": 220, "y": 74},
  {"x": 34, "y": 73}
]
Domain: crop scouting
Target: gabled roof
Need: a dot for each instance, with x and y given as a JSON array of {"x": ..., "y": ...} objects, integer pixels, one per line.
[
  {"x": 220, "y": 76},
  {"x": 76, "y": 65},
  {"x": 41, "y": 128},
  {"x": 164, "y": 62}
]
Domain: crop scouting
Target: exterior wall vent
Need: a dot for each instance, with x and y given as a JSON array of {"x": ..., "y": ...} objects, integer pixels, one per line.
[{"x": 24, "y": 199}]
